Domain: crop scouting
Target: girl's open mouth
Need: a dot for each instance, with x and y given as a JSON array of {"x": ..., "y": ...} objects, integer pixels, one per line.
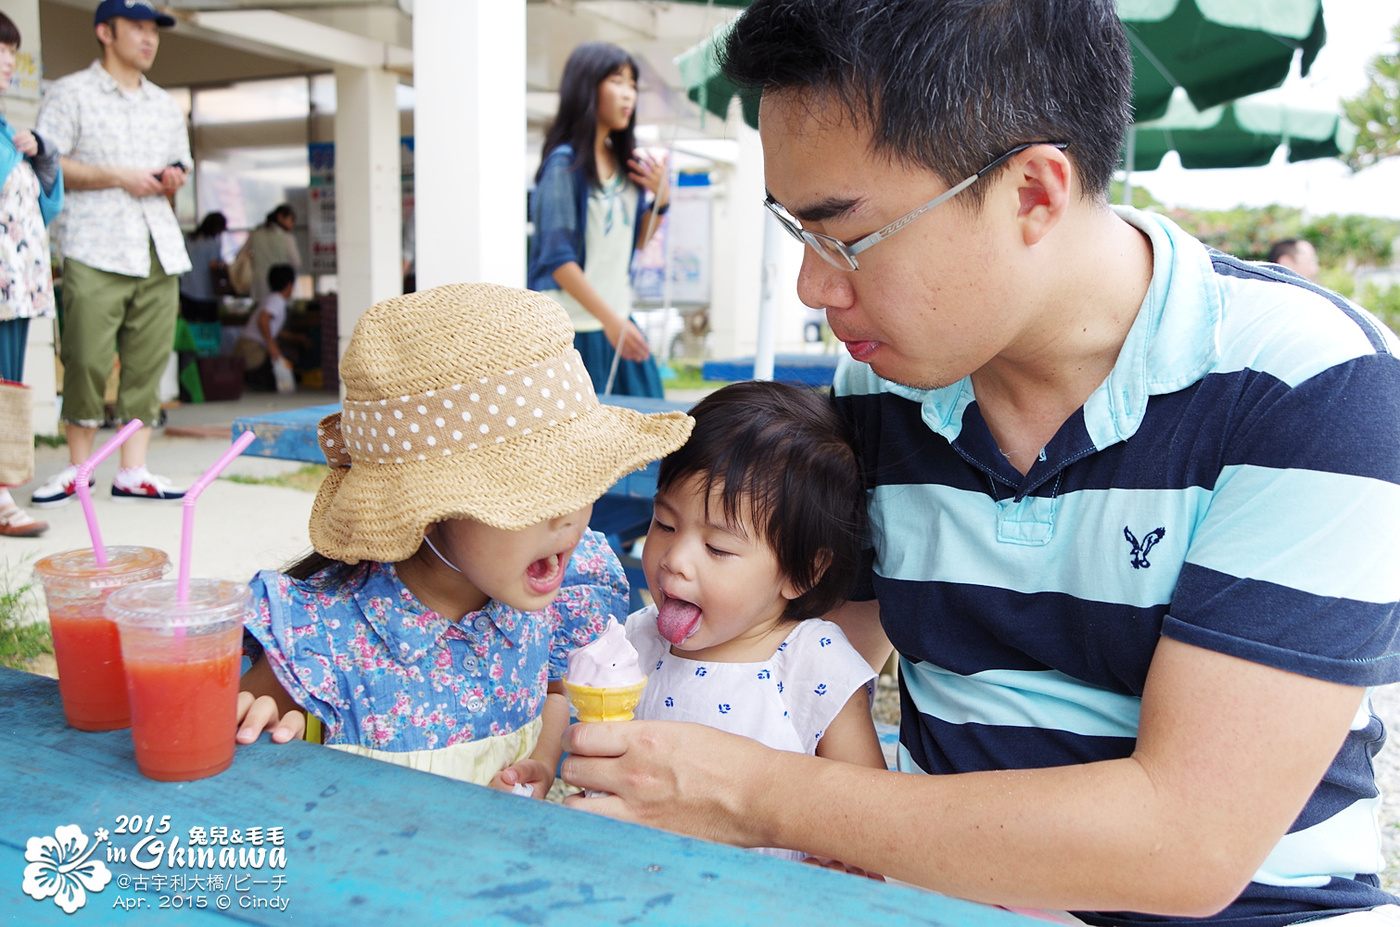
[{"x": 547, "y": 573}]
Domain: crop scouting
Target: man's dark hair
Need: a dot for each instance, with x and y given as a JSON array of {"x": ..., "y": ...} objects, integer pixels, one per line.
[
  {"x": 279, "y": 276},
  {"x": 781, "y": 456},
  {"x": 952, "y": 84},
  {"x": 1288, "y": 247},
  {"x": 282, "y": 211}
]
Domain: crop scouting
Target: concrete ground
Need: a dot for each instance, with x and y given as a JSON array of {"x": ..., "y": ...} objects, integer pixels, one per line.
[{"x": 238, "y": 528}]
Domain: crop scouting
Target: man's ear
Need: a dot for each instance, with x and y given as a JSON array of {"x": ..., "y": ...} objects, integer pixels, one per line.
[
  {"x": 792, "y": 591},
  {"x": 105, "y": 35},
  {"x": 1044, "y": 175}
]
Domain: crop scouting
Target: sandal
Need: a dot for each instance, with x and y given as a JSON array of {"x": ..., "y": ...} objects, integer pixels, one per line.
[{"x": 16, "y": 523}]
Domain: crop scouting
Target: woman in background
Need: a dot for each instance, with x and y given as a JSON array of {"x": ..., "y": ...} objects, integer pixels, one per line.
[
  {"x": 199, "y": 291},
  {"x": 590, "y": 215},
  {"x": 270, "y": 244},
  {"x": 31, "y": 194}
]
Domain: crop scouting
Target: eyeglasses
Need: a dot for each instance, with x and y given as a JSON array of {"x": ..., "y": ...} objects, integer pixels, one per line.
[{"x": 843, "y": 256}]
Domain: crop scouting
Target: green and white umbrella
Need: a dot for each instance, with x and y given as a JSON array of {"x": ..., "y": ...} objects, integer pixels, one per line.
[
  {"x": 1243, "y": 133},
  {"x": 1215, "y": 50}
]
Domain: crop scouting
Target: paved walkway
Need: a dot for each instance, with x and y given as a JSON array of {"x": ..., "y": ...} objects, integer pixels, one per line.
[{"x": 239, "y": 528}]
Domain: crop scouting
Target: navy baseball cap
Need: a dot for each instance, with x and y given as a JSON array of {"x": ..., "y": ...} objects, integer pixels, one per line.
[{"x": 130, "y": 9}]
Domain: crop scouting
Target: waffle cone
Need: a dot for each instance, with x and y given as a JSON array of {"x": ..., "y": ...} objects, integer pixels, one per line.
[{"x": 604, "y": 703}]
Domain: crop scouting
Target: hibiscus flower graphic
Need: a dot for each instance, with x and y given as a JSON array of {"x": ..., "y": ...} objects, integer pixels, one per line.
[{"x": 59, "y": 868}]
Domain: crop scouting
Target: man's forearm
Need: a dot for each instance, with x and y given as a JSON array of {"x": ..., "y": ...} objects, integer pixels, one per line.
[{"x": 78, "y": 175}]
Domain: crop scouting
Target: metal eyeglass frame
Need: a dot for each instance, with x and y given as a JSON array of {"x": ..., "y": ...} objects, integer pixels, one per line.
[{"x": 843, "y": 256}]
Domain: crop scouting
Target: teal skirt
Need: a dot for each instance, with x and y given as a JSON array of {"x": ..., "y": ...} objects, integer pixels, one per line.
[{"x": 632, "y": 379}]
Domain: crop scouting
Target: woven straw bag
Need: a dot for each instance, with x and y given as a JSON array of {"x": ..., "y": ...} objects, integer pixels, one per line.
[{"x": 16, "y": 434}]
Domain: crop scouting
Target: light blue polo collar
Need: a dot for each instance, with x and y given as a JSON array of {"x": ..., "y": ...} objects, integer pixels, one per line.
[{"x": 1173, "y": 342}]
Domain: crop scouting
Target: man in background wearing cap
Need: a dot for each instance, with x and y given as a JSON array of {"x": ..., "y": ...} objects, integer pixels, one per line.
[{"x": 124, "y": 147}]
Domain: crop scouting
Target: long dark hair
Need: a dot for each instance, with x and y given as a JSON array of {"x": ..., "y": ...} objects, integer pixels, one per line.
[
  {"x": 782, "y": 456},
  {"x": 576, "y": 124},
  {"x": 324, "y": 573}
]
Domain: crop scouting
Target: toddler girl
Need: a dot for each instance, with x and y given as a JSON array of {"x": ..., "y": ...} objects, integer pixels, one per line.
[
  {"x": 453, "y": 569},
  {"x": 758, "y": 528}
]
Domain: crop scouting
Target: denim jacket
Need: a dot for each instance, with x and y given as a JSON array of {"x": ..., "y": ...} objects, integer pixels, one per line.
[{"x": 559, "y": 210}]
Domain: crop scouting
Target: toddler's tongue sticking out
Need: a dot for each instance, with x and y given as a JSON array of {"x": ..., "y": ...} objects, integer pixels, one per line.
[{"x": 677, "y": 619}]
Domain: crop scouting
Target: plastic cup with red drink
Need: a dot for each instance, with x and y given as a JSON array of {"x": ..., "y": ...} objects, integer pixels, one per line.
[
  {"x": 91, "y": 676},
  {"x": 182, "y": 651}
]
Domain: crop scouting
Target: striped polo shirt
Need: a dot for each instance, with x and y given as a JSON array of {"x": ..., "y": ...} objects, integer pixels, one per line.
[{"x": 1233, "y": 484}]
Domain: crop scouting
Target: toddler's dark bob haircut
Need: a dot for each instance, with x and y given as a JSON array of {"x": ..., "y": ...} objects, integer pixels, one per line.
[{"x": 781, "y": 456}]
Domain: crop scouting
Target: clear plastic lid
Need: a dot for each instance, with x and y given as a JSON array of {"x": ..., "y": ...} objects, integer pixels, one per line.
[
  {"x": 213, "y": 604},
  {"x": 125, "y": 565}
]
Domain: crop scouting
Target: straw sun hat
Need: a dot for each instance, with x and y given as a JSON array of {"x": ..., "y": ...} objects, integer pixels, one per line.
[{"x": 469, "y": 401}]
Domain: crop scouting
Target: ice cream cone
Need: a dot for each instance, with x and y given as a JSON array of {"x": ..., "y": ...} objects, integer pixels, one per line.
[{"x": 604, "y": 703}]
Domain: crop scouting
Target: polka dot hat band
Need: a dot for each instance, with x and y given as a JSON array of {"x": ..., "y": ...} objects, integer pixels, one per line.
[
  {"x": 462, "y": 417},
  {"x": 469, "y": 401}
]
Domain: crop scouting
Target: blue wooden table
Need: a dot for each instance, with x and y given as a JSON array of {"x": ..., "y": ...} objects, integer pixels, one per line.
[
  {"x": 368, "y": 843},
  {"x": 805, "y": 369},
  {"x": 622, "y": 513}
]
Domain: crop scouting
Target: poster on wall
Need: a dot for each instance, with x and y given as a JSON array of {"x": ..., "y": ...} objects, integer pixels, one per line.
[
  {"x": 686, "y": 234},
  {"x": 321, "y": 201},
  {"x": 24, "y": 83},
  {"x": 320, "y": 197}
]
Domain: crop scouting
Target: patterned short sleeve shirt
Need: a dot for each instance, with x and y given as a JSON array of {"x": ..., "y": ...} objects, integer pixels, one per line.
[{"x": 88, "y": 118}]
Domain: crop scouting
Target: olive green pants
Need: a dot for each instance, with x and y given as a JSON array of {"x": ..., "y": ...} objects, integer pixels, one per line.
[{"x": 107, "y": 315}]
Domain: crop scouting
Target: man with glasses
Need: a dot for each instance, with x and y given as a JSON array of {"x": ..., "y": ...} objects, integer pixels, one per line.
[{"x": 1135, "y": 502}]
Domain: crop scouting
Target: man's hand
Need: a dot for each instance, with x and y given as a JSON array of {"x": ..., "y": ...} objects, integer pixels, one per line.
[
  {"x": 139, "y": 182},
  {"x": 171, "y": 180},
  {"x": 26, "y": 143},
  {"x": 687, "y": 778}
]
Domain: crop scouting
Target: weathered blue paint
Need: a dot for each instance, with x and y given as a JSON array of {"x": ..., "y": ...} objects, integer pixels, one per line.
[{"x": 368, "y": 843}]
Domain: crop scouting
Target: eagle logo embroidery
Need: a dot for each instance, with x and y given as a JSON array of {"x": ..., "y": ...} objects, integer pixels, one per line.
[{"x": 1141, "y": 548}]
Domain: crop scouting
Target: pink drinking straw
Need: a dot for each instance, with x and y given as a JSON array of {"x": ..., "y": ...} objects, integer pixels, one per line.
[
  {"x": 182, "y": 586},
  {"x": 99, "y": 551}
]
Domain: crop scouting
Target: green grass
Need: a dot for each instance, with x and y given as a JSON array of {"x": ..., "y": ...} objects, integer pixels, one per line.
[
  {"x": 21, "y": 636},
  {"x": 688, "y": 377},
  {"x": 306, "y": 478}
]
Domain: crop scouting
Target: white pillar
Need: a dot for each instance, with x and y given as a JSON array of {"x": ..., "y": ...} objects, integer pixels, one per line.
[
  {"x": 469, "y": 141},
  {"x": 737, "y": 246},
  {"x": 764, "y": 351},
  {"x": 368, "y": 236}
]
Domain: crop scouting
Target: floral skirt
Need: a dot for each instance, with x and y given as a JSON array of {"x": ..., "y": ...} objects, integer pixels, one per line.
[{"x": 26, "y": 280}]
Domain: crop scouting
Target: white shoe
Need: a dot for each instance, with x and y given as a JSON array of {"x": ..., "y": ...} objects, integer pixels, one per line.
[
  {"x": 140, "y": 483},
  {"x": 57, "y": 490}
]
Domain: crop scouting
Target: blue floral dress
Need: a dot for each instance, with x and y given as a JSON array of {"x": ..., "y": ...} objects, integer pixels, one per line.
[{"x": 389, "y": 678}]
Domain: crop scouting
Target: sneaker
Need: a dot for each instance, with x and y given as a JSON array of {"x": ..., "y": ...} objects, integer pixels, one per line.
[
  {"x": 57, "y": 490},
  {"x": 140, "y": 483}
]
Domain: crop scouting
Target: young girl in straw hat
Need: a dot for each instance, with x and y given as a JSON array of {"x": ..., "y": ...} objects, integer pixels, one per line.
[{"x": 453, "y": 568}]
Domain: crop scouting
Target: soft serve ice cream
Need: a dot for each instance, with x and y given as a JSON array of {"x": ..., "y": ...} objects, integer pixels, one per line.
[{"x": 604, "y": 681}]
